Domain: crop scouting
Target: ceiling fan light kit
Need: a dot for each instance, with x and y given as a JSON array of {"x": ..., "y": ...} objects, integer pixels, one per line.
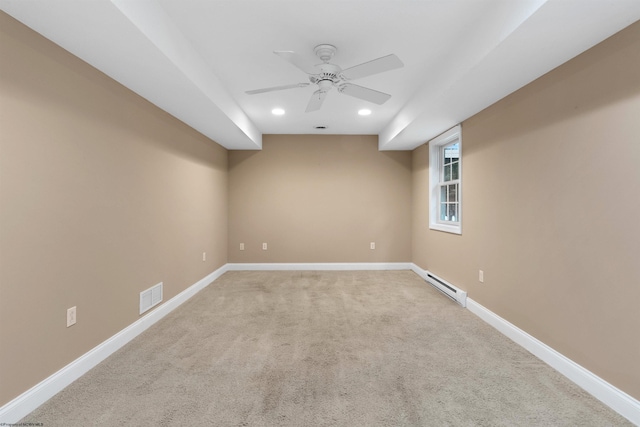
[{"x": 327, "y": 76}]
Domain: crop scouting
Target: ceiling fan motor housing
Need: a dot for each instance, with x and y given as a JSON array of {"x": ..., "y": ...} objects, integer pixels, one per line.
[{"x": 328, "y": 72}]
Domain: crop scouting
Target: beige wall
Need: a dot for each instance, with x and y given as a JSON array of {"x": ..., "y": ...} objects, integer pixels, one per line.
[
  {"x": 102, "y": 195},
  {"x": 551, "y": 209},
  {"x": 319, "y": 198}
]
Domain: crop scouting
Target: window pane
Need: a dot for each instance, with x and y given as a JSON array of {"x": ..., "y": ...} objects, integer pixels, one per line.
[
  {"x": 454, "y": 170},
  {"x": 451, "y": 153},
  {"x": 443, "y": 212},
  {"x": 453, "y": 212},
  {"x": 443, "y": 193},
  {"x": 447, "y": 173},
  {"x": 453, "y": 192}
]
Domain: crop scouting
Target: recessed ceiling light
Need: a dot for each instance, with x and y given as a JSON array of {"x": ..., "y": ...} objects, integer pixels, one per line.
[
  {"x": 277, "y": 111},
  {"x": 364, "y": 112}
]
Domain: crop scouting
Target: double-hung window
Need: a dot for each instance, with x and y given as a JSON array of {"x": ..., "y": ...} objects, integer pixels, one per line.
[{"x": 445, "y": 181}]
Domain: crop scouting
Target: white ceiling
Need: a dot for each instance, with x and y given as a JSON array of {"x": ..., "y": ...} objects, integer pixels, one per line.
[{"x": 196, "y": 58}]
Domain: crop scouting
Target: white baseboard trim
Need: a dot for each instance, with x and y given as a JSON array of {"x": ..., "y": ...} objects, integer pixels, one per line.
[
  {"x": 31, "y": 399},
  {"x": 608, "y": 394},
  {"x": 327, "y": 266},
  {"x": 419, "y": 271}
]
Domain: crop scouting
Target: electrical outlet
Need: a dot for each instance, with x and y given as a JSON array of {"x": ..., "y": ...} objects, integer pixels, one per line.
[
  {"x": 372, "y": 245},
  {"x": 264, "y": 246},
  {"x": 242, "y": 246},
  {"x": 204, "y": 256},
  {"x": 481, "y": 276},
  {"x": 71, "y": 316}
]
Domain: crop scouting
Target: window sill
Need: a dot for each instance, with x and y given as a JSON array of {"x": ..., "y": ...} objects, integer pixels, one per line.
[{"x": 454, "y": 229}]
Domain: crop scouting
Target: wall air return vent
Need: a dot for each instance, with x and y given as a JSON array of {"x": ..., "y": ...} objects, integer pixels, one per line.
[{"x": 151, "y": 297}]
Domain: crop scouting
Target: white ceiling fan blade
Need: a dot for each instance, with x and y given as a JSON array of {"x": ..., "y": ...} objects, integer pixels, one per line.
[
  {"x": 299, "y": 61},
  {"x": 271, "y": 89},
  {"x": 316, "y": 101},
  {"x": 380, "y": 65},
  {"x": 365, "y": 93}
]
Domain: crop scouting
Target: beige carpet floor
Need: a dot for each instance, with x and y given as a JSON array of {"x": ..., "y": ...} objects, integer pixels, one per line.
[{"x": 372, "y": 348}]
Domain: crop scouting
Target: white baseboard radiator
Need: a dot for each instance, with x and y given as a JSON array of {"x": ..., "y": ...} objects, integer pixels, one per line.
[{"x": 456, "y": 294}]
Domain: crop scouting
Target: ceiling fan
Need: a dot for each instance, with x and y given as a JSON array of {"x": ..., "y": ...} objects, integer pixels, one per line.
[{"x": 327, "y": 76}]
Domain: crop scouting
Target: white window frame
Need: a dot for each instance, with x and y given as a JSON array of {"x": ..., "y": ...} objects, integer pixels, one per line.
[{"x": 435, "y": 173}]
